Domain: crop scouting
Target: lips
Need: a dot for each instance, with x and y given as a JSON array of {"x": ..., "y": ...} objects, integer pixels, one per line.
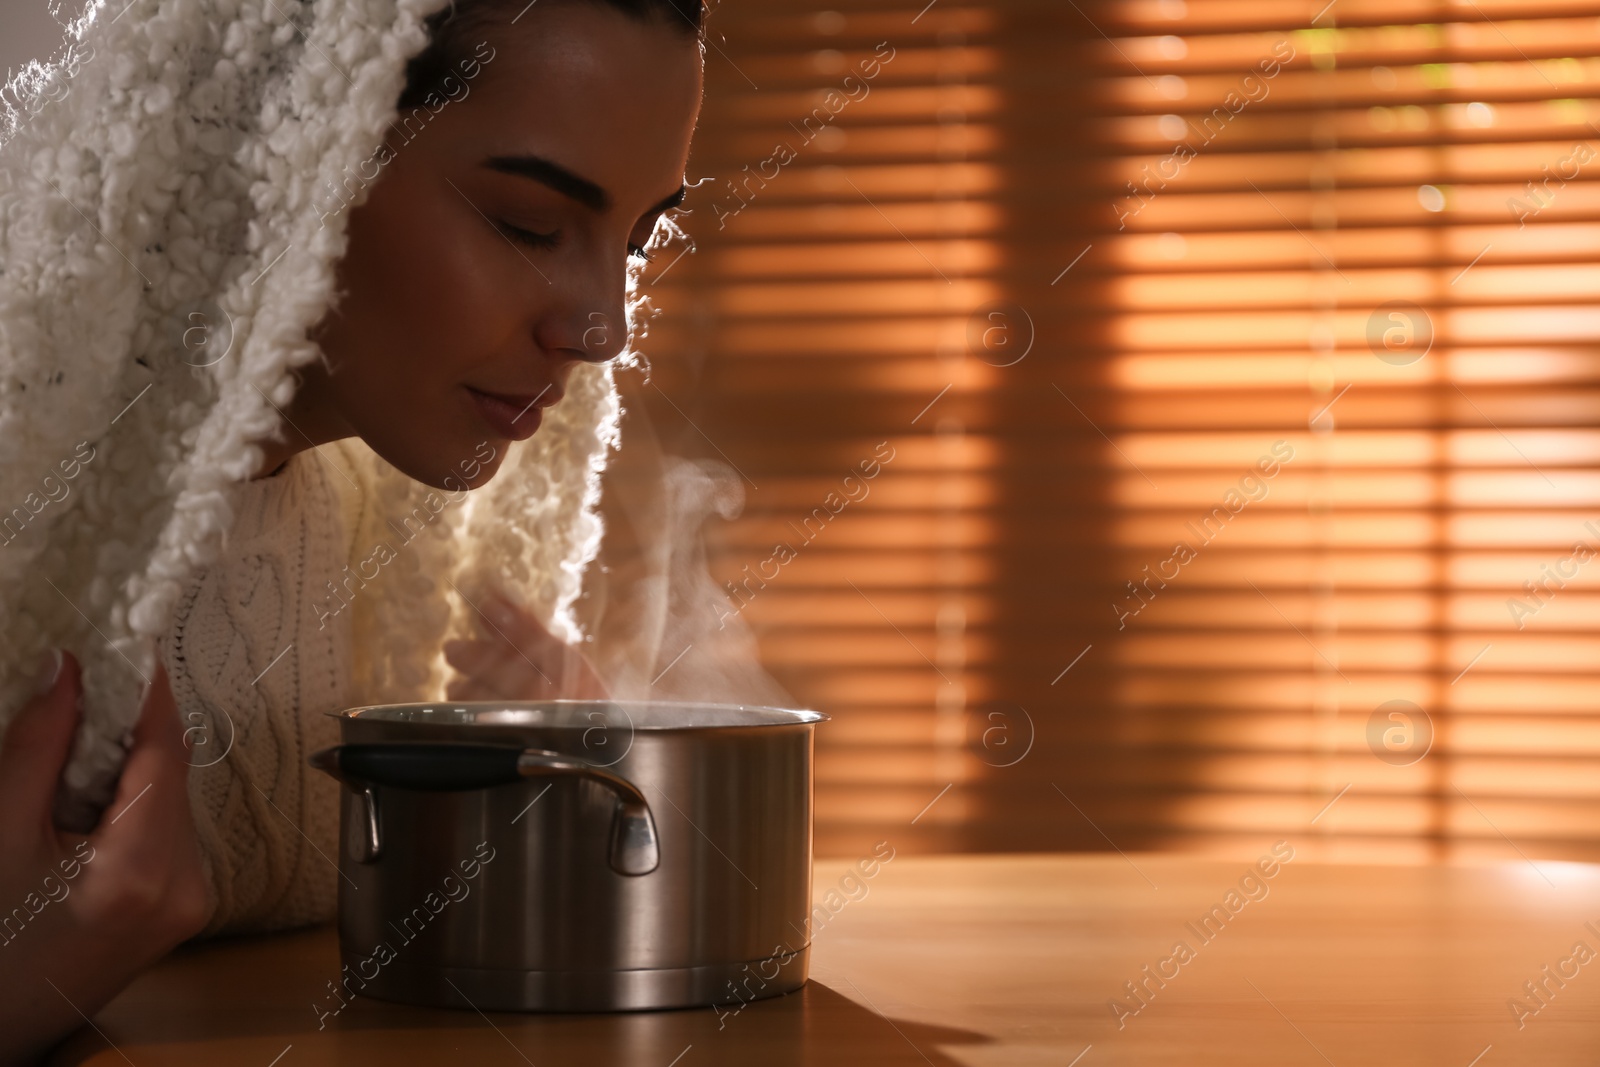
[{"x": 512, "y": 416}]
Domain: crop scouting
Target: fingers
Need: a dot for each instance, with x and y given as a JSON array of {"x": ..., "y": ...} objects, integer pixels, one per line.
[
  {"x": 158, "y": 717},
  {"x": 512, "y": 621},
  {"x": 518, "y": 658},
  {"x": 508, "y": 656},
  {"x": 470, "y": 657},
  {"x": 475, "y": 657},
  {"x": 36, "y": 747},
  {"x": 152, "y": 801},
  {"x": 499, "y": 671},
  {"x": 146, "y": 866},
  {"x": 492, "y": 670}
]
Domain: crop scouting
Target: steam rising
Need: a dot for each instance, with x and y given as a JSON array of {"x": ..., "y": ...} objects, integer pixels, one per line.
[{"x": 652, "y": 605}]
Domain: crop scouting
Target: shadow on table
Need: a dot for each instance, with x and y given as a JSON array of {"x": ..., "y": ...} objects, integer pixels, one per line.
[
  {"x": 183, "y": 1014},
  {"x": 816, "y": 1025}
]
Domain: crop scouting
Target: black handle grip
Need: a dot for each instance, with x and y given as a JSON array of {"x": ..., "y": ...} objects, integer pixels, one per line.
[{"x": 430, "y": 768}]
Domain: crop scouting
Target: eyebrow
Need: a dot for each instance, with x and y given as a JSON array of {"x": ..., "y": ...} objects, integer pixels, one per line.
[{"x": 571, "y": 185}]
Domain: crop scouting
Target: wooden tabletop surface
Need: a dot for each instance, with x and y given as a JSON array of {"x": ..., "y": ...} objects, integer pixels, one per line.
[{"x": 979, "y": 960}]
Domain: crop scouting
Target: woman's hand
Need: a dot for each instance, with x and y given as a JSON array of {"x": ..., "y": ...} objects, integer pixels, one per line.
[
  {"x": 518, "y": 659},
  {"x": 81, "y": 916}
]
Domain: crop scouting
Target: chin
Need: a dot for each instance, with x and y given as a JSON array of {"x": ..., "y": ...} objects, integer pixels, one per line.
[{"x": 477, "y": 462}]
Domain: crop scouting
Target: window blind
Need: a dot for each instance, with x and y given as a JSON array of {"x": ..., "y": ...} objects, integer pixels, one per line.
[{"x": 1228, "y": 371}]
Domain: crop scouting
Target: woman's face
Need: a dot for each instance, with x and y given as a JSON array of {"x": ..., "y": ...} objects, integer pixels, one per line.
[{"x": 490, "y": 256}]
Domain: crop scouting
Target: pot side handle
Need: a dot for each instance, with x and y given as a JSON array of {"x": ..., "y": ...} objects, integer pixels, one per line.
[{"x": 635, "y": 847}]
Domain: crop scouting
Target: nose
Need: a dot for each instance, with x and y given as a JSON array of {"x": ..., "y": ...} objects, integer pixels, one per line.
[
  {"x": 587, "y": 317},
  {"x": 596, "y": 345}
]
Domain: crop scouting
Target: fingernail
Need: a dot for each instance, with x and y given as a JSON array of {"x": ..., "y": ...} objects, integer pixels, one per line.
[{"x": 47, "y": 671}]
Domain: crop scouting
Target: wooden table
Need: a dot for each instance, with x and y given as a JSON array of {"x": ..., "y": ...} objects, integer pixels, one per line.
[{"x": 1000, "y": 960}]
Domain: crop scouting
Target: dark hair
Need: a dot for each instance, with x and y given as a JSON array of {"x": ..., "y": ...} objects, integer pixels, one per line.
[{"x": 451, "y": 28}]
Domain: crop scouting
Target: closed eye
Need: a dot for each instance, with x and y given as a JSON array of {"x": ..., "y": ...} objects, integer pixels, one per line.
[
  {"x": 529, "y": 237},
  {"x": 551, "y": 240}
]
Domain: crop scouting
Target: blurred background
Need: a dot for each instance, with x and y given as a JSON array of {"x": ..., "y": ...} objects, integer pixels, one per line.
[
  {"x": 1226, "y": 372},
  {"x": 1091, "y": 270}
]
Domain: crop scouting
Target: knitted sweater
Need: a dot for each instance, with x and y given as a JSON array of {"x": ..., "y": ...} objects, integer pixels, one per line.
[{"x": 254, "y": 673}]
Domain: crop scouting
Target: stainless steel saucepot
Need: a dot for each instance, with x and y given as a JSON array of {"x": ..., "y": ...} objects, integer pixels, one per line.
[{"x": 573, "y": 855}]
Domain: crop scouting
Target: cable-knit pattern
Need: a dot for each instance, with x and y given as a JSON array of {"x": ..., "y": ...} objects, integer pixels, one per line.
[{"x": 254, "y": 674}]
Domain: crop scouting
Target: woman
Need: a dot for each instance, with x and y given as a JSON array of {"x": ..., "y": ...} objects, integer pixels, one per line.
[{"x": 283, "y": 283}]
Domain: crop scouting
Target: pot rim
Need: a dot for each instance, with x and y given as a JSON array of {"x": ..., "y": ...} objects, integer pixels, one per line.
[{"x": 736, "y": 716}]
